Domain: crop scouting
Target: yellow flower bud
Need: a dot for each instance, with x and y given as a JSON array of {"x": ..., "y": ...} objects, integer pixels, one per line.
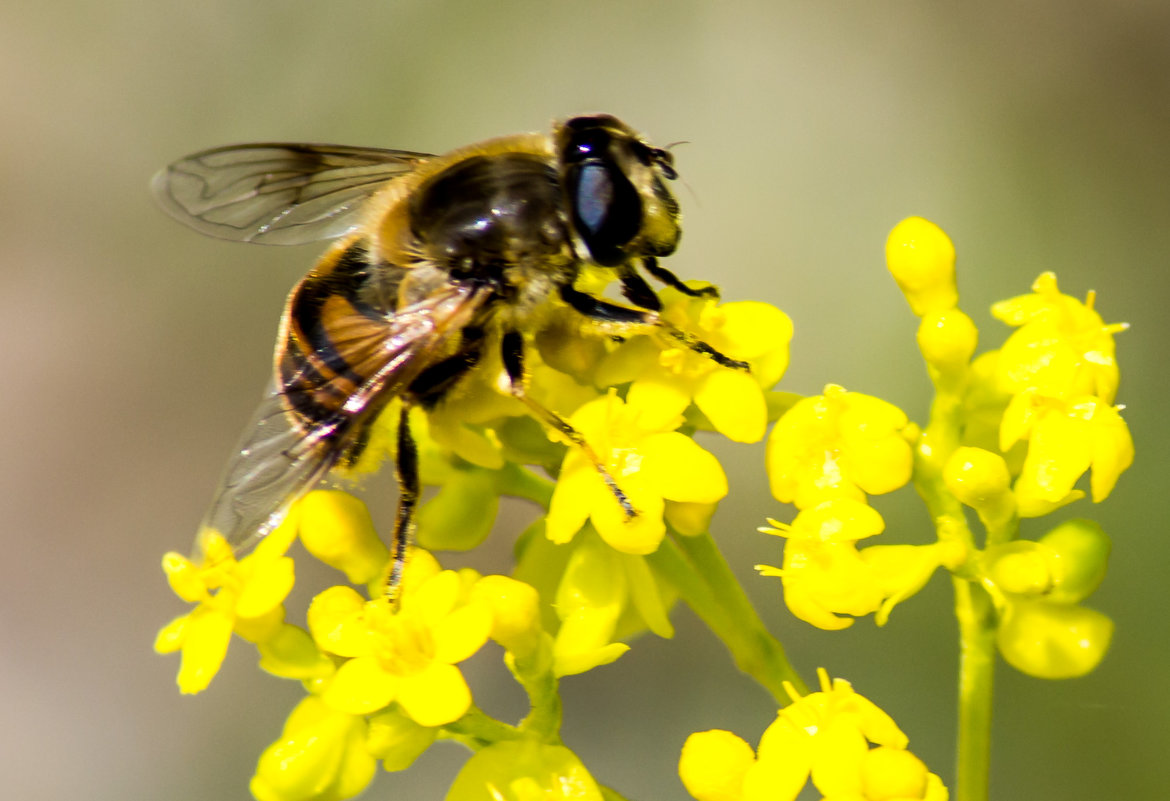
[
  {"x": 336, "y": 528},
  {"x": 980, "y": 479},
  {"x": 922, "y": 260},
  {"x": 713, "y": 765},
  {"x": 947, "y": 340},
  {"x": 515, "y": 610},
  {"x": 1052, "y": 640}
]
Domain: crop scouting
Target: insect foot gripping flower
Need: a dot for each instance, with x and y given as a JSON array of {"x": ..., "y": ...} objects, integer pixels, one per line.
[
  {"x": 408, "y": 654},
  {"x": 825, "y": 736},
  {"x": 244, "y": 596},
  {"x": 825, "y": 576},
  {"x": 666, "y": 380},
  {"x": 839, "y": 444},
  {"x": 651, "y": 465}
]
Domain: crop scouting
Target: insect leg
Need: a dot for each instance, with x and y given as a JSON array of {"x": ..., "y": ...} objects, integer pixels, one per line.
[
  {"x": 671, "y": 280},
  {"x": 512, "y": 351},
  {"x": 604, "y": 311},
  {"x": 408, "y": 491}
]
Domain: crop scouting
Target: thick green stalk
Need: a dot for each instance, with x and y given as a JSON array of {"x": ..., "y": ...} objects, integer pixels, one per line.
[
  {"x": 699, "y": 573},
  {"x": 976, "y": 678}
]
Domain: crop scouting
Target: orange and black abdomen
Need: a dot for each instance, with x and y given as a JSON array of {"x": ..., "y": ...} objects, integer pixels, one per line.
[{"x": 325, "y": 356}]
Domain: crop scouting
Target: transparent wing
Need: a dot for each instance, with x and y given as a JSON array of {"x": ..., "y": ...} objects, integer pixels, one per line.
[
  {"x": 279, "y": 459},
  {"x": 277, "y": 194}
]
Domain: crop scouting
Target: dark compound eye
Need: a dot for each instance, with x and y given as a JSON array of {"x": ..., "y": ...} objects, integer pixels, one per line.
[{"x": 606, "y": 209}]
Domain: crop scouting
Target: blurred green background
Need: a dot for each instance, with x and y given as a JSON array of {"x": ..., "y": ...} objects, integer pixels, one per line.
[{"x": 1037, "y": 134}]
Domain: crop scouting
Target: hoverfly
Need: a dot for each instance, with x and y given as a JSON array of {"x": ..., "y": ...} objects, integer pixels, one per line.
[{"x": 437, "y": 257}]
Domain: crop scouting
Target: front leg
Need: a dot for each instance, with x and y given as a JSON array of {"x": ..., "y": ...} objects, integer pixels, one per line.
[
  {"x": 638, "y": 321},
  {"x": 512, "y": 351}
]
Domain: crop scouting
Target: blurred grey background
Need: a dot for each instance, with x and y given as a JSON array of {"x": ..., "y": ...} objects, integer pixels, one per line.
[{"x": 1037, "y": 134}]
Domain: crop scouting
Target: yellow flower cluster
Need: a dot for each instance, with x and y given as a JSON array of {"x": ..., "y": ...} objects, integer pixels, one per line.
[
  {"x": 383, "y": 677},
  {"x": 844, "y": 743},
  {"x": 825, "y": 456},
  {"x": 1010, "y": 434}
]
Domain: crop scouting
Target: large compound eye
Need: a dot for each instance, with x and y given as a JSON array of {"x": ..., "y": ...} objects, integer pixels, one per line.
[{"x": 605, "y": 206}]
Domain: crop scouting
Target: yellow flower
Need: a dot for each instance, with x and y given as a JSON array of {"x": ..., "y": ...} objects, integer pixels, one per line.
[
  {"x": 825, "y": 576},
  {"x": 824, "y": 736},
  {"x": 244, "y": 596},
  {"x": 922, "y": 260},
  {"x": 1066, "y": 438},
  {"x": 321, "y": 756},
  {"x": 408, "y": 655},
  {"x": 1062, "y": 347},
  {"x": 650, "y": 464},
  {"x": 666, "y": 380},
  {"x": 839, "y": 444}
]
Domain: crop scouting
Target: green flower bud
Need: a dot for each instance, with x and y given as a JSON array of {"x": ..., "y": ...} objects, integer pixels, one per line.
[
  {"x": 520, "y": 770},
  {"x": 397, "y": 740},
  {"x": 1079, "y": 554}
]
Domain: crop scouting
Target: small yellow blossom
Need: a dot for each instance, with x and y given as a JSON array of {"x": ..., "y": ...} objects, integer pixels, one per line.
[
  {"x": 922, "y": 260},
  {"x": 824, "y": 736},
  {"x": 321, "y": 756},
  {"x": 244, "y": 596},
  {"x": 1066, "y": 438},
  {"x": 823, "y": 574},
  {"x": 408, "y": 655},
  {"x": 839, "y": 444},
  {"x": 666, "y": 380},
  {"x": 650, "y": 465},
  {"x": 1062, "y": 347}
]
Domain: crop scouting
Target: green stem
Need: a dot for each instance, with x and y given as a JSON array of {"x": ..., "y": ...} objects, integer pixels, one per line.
[
  {"x": 976, "y": 617},
  {"x": 699, "y": 573},
  {"x": 534, "y": 673},
  {"x": 973, "y": 606},
  {"x": 521, "y": 483}
]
